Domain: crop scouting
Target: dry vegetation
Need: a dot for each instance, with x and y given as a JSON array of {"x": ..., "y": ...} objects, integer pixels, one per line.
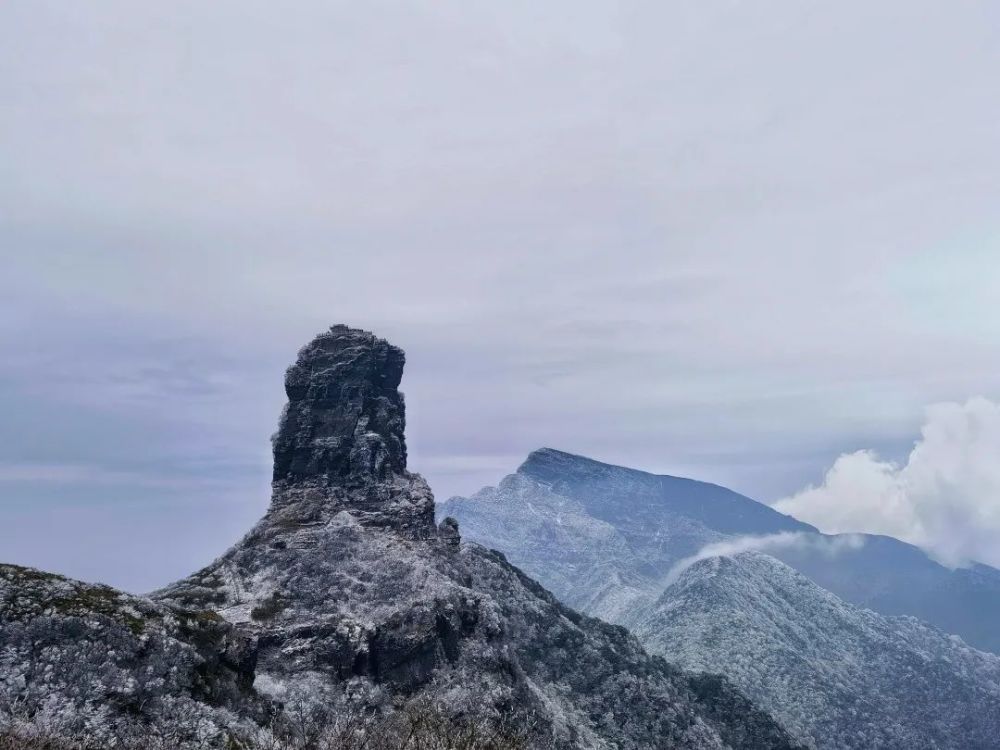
[{"x": 416, "y": 726}]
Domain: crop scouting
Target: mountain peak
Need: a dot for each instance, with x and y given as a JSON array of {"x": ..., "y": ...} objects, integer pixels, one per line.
[
  {"x": 548, "y": 464},
  {"x": 340, "y": 444},
  {"x": 352, "y": 596},
  {"x": 345, "y": 418}
]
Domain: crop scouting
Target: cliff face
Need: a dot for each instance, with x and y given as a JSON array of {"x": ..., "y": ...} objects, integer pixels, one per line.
[
  {"x": 341, "y": 446},
  {"x": 352, "y": 593},
  {"x": 345, "y": 416}
]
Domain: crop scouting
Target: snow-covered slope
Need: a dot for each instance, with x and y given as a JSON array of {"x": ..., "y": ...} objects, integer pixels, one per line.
[
  {"x": 656, "y": 554},
  {"x": 603, "y": 538},
  {"x": 838, "y": 675}
]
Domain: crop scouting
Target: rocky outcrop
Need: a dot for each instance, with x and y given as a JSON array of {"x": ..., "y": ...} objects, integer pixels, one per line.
[
  {"x": 352, "y": 592},
  {"x": 87, "y": 659},
  {"x": 340, "y": 445},
  {"x": 347, "y": 597},
  {"x": 449, "y": 533}
]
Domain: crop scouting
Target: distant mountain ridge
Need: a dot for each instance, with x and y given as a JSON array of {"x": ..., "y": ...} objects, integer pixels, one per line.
[
  {"x": 837, "y": 675},
  {"x": 643, "y": 523},
  {"x": 672, "y": 559},
  {"x": 637, "y": 495}
]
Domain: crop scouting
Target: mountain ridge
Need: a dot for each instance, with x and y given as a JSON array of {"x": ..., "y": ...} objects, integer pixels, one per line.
[
  {"x": 620, "y": 544},
  {"x": 351, "y": 598},
  {"x": 885, "y": 574},
  {"x": 560, "y": 469}
]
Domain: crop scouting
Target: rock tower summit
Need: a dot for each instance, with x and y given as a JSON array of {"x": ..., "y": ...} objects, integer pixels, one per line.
[
  {"x": 345, "y": 417},
  {"x": 340, "y": 444}
]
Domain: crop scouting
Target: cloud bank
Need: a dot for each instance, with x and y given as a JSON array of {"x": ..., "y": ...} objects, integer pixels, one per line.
[
  {"x": 945, "y": 498},
  {"x": 767, "y": 542},
  {"x": 599, "y": 226}
]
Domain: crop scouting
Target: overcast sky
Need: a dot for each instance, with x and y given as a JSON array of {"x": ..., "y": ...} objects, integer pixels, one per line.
[{"x": 728, "y": 240}]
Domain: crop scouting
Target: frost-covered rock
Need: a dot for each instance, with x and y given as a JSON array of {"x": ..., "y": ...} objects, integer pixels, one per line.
[
  {"x": 347, "y": 593},
  {"x": 90, "y": 661},
  {"x": 350, "y": 588}
]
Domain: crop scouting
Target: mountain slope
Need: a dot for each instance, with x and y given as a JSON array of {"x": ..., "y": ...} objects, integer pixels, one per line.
[
  {"x": 88, "y": 660},
  {"x": 895, "y": 578},
  {"x": 838, "y": 675},
  {"x": 655, "y": 554},
  {"x": 603, "y": 538},
  {"x": 353, "y": 593},
  {"x": 347, "y": 599},
  {"x": 629, "y": 498}
]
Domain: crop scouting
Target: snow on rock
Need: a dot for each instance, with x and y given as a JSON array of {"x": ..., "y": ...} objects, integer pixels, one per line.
[
  {"x": 347, "y": 592},
  {"x": 89, "y": 659}
]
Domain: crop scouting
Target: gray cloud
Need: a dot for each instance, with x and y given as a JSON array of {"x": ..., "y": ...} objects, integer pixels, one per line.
[{"x": 711, "y": 239}]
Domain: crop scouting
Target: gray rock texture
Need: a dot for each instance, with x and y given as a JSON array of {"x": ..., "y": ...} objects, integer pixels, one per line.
[
  {"x": 350, "y": 589},
  {"x": 341, "y": 443},
  {"x": 90, "y": 660}
]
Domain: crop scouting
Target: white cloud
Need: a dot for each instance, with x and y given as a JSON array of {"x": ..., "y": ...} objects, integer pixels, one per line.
[
  {"x": 945, "y": 498},
  {"x": 782, "y": 540}
]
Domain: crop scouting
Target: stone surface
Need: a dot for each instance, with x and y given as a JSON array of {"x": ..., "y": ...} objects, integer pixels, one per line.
[
  {"x": 340, "y": 444},
  {"x": 449, "y": 533},
  {"x": 83, "y": 658}
]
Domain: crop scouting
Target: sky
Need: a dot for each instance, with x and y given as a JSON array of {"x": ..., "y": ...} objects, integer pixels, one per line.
[{"x": 752, "y": 243}]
